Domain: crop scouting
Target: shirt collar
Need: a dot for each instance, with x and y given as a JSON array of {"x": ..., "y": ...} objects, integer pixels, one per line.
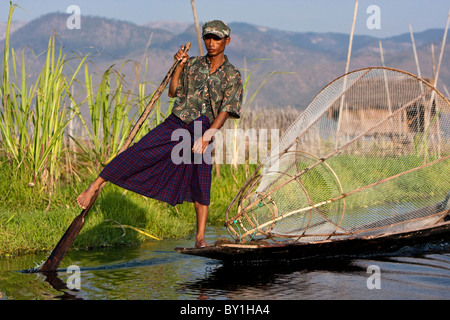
[{"x": 209, "y": 63}]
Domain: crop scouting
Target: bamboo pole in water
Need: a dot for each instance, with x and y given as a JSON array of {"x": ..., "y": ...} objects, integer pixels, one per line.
[
  {"x": 386, "y": 85},
  {"x": 350, "y": 44},
  {"x": 419, "y": 74},
  {"x": 415, "y": 52},
  {"x": 428, "y": 112},
  {"x": 197, "y": 28}
]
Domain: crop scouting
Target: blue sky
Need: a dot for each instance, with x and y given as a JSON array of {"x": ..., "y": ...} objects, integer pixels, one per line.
[{"x": 294, "y": 15}]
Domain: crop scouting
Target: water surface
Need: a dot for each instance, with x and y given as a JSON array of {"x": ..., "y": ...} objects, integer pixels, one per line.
[{"x": 154, "y": 271}]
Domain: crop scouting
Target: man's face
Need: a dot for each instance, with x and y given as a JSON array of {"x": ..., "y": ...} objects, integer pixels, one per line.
[{"x": 214, "y": 44}]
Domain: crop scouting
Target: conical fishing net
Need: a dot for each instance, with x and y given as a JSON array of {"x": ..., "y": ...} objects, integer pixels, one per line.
[{"x": 370, "y": 155}]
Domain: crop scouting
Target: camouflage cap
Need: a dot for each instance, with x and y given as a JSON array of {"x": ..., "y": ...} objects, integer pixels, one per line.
[{"x": 217, "y": 27}]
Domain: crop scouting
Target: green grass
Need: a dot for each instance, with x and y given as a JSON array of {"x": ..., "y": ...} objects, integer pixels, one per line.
[{"x": 29, "y": 224}]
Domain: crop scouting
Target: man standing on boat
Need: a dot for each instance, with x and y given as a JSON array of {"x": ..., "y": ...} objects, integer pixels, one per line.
[{"x": 207, "y": 90}]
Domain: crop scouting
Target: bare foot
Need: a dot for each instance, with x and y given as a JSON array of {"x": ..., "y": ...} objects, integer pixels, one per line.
[
  {"x": 201, "y": 244},
  {"x": 84, "y": 199}
]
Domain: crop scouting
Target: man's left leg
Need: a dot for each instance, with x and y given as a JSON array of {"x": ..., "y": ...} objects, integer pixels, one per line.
[{"x": 202, "y": 215}]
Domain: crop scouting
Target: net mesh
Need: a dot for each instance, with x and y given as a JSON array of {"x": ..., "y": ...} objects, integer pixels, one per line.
[{"x": 369, "y": 155}]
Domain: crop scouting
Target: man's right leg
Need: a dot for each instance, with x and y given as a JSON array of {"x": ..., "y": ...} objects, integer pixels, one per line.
[
  {"x": 84, "y": 199},
  {"x": 202, "y": 216}
]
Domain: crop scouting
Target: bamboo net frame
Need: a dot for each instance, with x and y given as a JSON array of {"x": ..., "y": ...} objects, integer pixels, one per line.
[{"x": 375, "y": 171}]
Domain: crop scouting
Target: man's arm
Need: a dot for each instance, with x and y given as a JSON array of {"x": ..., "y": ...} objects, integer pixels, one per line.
[
  {"x": 176, "y": 75},
  {"x": 203, "y": 142}
]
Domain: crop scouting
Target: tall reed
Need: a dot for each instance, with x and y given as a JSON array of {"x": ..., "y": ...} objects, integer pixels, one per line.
[
  {"x": 33, "y": 118},
  {"x": 159, "y": 113},
  {"x": 113, "y": 108},
  {"x": 108, "y": 116}
]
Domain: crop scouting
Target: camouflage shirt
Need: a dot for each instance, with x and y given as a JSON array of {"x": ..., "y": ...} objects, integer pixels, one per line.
[{"x": 201, "y": 93}]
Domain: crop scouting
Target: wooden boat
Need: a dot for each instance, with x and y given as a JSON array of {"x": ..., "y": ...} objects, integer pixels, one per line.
[
  {"x": 350, "y": 247},
  {"x": 363, "y": 170},
  {"x": 394, "y": 237}
]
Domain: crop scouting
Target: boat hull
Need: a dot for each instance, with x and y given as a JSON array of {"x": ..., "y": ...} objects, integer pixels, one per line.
[{"x": 349, "y": 247}]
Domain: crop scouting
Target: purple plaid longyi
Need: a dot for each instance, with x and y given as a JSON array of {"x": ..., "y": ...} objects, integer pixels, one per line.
[{"x": 147, "y": 168}]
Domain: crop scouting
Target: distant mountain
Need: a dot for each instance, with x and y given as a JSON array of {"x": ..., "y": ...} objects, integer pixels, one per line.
[
  {"x": 112, "y": 37},
  {"x": 14, "y": 26},
  {"x": 312, "y": 59},
  {"x": 172, "y": 26}
]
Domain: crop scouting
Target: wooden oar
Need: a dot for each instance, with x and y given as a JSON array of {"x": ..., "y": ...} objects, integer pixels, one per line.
[{"x": 69, "y": 236}]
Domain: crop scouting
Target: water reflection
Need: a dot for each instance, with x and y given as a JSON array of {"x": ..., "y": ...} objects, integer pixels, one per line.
[
  {"x": 288, "y": 280},
  {"x": 154, "y": 271},
  {"x": 59, "y": 285},
  {"x": 420, "y": 272}
]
